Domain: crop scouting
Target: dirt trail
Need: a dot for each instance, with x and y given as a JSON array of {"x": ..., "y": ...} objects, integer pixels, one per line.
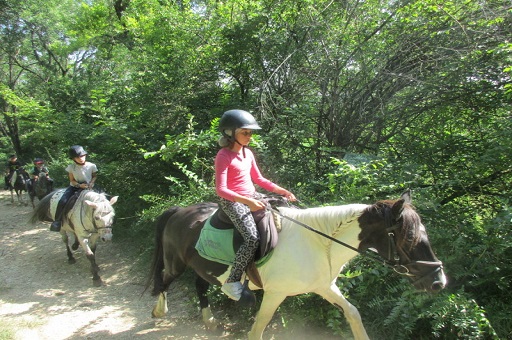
[{"x": 42, "y": 297}]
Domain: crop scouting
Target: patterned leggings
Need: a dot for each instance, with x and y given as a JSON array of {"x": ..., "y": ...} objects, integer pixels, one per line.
[{"x": 241, "y": 216}]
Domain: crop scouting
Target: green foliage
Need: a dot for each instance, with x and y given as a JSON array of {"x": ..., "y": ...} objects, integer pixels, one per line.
[
  {"x": 456, "y": 317},
  {"x": 358, "y": 100}
]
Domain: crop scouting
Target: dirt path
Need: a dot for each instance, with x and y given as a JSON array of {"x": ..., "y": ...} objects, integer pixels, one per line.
[{"x": 42, "y": 297}]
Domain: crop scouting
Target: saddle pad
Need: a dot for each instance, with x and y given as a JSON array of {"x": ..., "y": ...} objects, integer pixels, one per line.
[
  {"x": 216, "y": 244},
  {"x": 54, "y": 201}
]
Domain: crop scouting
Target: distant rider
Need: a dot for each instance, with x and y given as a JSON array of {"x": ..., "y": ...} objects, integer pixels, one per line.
[
  {"x": 39, "y": 167},
  {"x": 82, "y": 175},
  {"x": 12, "y": 165}
]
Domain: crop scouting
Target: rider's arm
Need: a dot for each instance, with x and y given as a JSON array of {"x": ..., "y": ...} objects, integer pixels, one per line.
[
  {"x": 73, "y": 182},
  {"x": 91, "y": 184}
]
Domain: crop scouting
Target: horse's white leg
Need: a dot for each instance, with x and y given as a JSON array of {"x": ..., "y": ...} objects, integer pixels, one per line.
[
  {"x": 209, "y": 320},
  {"x": 160, "y": 308},
  {"x": 85, "y": 245},
  {"x": 334, "y": 296},
  {"x": 268, "y": 307}
]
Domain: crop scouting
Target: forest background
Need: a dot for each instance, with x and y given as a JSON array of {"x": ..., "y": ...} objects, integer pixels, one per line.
[{"x": 358, "y": 100}]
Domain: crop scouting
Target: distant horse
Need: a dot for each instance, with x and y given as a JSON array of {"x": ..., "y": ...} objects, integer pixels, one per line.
[
  {"x": 88, "y": 215},
  {"x": 302, "y": 261},
  {"x": 41, "y": 187},
  {"x": 19, "y": 183}
]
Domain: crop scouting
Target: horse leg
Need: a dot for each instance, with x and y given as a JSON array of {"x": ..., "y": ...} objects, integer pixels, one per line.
[
  {"x": 162, "y": 281},
  {"x": 76, "y": 244},
  {"x": 268, "y": 307},
  {"x": 96, "y": 279},
  {"x": 334, "y": 296},
  {"x": 71, "y": 259},
  {"x": 89, "y": 246},
  {"x": 22, "y": 199},
  {"x": 202, "y": 289}
]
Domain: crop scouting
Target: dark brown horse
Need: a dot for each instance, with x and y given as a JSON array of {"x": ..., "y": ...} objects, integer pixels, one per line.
[
  {"x": 40, "y": 187},
  {"x": 303, "y": 261}
]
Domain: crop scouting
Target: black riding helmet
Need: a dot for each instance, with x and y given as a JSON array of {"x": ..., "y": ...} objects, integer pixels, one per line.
[
  {"x": 76, "y": 151},
  {"x": 237, "y": 119}
]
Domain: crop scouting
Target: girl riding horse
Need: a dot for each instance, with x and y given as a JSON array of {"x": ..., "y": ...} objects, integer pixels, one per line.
[
  {"x": 236, "y": 172},
  {"x": 82, "y": 175},
  {"x": 36, "y": 171}
]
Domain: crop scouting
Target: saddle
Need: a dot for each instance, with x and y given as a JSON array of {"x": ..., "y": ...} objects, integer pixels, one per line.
[{"x": 268, "y": 225}]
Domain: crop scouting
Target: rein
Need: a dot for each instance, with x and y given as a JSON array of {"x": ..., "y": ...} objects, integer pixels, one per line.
[
  {"x": 396, "y": 266},
  {"x": 329, "y": 237}
]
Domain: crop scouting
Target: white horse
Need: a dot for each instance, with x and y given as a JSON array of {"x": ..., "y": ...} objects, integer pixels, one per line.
[
  {"x": 303, "y": 261},
  {"x": 89, "y": 218}
]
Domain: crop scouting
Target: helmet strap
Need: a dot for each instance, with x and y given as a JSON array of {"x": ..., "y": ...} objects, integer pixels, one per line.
[{"x": 243, "y": 146}]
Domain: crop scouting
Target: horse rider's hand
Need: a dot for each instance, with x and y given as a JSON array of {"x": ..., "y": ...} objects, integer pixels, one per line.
[
  {"x": 287, "y": 194},
  {"x": 256, "y": 205},
  {"x": 290, "y": 196}
]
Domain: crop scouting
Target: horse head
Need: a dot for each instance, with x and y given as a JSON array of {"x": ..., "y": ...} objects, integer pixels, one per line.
[
  {"x": 103, "y": 215},
  {"x": 394, "y": 229}
]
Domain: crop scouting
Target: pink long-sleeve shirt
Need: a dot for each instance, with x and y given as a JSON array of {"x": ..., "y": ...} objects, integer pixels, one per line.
[{"x": 236, "y": 174}]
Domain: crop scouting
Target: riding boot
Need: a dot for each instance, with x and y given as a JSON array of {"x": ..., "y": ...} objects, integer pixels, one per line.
[
  {"x": 59, "y": 213},
  {"x": 57, "y": 223}
]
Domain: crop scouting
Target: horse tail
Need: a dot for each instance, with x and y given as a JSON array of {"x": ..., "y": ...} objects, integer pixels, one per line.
[
  {"x": 157, "y": 265},
  {"x": 42, "y": 210}
]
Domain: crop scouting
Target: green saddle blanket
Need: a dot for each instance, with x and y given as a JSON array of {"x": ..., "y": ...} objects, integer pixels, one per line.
[
  {"x": 220, "y": 245},
  {"x": 216, "y": 244}
]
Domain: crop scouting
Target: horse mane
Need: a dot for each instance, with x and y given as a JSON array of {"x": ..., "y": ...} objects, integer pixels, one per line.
[
  {"x": 93, "y": 196},
  {"x": 411, "y": 223},
  {"x": 322, "y": 218}
]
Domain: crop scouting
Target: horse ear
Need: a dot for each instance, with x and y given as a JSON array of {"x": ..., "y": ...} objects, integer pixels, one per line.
[
  {"x": 113, "y": 200},
  {"x": 91, "y": 203},
  {"x": 396, "y": 209},
  {"x": 407, "y": 196}
]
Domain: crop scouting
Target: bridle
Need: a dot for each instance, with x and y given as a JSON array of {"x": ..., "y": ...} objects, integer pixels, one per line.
[
  {"x": 96, "y": 229},
  {"x": 405, "y": 269},
  {"x": 393, "y": 260}
]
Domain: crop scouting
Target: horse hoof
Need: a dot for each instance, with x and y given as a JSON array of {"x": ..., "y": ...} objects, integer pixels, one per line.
[
  {"x": 97, "y": 283},
  {"x": 156, "y": 315},
  {"x": 248, "y": 299},
  {"x": 72, "y": 261},
  {"x": 215, "y": 328}
]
